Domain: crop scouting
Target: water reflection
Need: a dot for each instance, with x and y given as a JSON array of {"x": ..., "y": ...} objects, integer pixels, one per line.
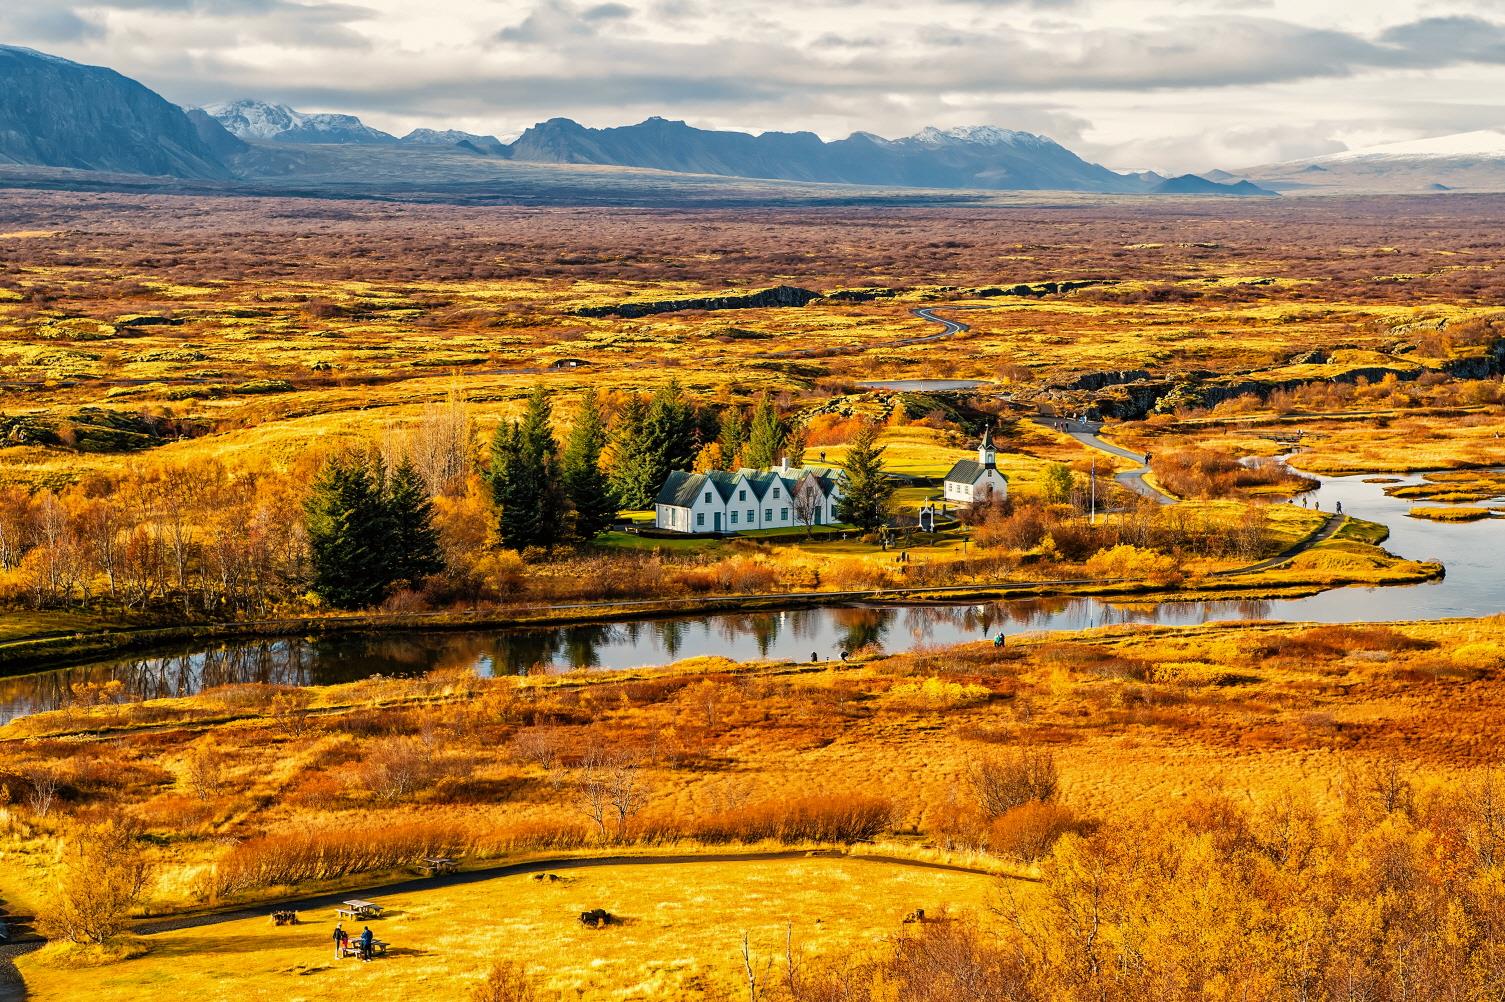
[{"x": 1475, "y": 585}]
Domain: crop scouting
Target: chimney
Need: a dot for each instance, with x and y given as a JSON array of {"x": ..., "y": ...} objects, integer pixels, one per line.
[{"x": 783, "y": 464}]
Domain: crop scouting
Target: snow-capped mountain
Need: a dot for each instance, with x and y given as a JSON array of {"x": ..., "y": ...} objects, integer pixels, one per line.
[
  {"x": 1465, "y": 161},
  {"x": 467, "y": 142},
  {"x": 259, "y": 120},
  {"x": 975, "y": 157},
  {"x": 1482, "y": 143},
  {"x": 977, "y": 135}
]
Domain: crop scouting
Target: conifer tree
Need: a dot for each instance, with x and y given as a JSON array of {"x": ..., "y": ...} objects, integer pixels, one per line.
[
  {"x": 766, "y": 438},
  {"x": 670, "y": 429},
  {"x": 410, "y": 511},
  {"x": 348, "y": 533},
  {"x": 632, "y": 468},
  {"x": 589, "y": 495},
  {"x": 794, "y": 445},
  {"x": 524, "y": 477},
  {"x": 866, "y": 491},
  {"x": 732, "y": 436}
]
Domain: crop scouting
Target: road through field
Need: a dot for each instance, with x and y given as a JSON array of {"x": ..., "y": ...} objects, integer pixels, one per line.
[{"x": 1133, "y": 479}]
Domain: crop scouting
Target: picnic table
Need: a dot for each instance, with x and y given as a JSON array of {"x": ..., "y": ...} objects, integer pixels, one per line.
[
  {"x": 435, "y": 865},
  {"x": 357, "y": 909},
  {"x": 378, "y": 948}
]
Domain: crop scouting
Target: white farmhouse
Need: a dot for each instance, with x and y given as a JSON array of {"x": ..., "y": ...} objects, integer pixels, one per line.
[
  {"x": 722, "y": 501},
  {"x": 972, "y": 481}
]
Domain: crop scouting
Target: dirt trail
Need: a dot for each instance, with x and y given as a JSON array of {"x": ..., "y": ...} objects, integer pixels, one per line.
[{"x": 334, "y": 899}]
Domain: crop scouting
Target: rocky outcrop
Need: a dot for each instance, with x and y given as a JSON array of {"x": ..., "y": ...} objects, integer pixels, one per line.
[
  {"x": 777, "y": 297},
  {"x": 1039, "y": 289},
  {"x": 1098, "y": 380}
]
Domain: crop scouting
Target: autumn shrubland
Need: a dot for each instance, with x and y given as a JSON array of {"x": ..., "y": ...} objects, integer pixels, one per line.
[
  {"x": 220, "y": 412},
  {"x": 1308, "y": 755}
]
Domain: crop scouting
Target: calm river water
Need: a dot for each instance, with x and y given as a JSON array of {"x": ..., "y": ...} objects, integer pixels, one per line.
[{"x": 1473, "y": 553}]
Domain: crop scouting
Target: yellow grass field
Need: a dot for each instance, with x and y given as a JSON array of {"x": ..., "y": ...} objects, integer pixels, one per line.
[{"x": 680, "y": 934}]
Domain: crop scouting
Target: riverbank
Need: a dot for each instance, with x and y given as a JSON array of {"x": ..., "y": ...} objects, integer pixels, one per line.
[{"x": 1266, "y": 579}]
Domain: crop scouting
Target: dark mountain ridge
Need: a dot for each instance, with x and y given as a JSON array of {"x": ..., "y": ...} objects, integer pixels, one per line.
[{"x": 57, "y": 113}]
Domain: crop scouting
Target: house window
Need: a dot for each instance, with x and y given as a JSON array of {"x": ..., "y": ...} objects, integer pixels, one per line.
[
  {"x": 700, "y": 520},
  {"x": 776, "y": 492},
  {"x": 734, "y": 518},
  {"x": 784, "y": 513},
  {"x": 708, "y": 495},
  {"x": 768, "y": 514},
  {"x": 742, "y": 495},
  {"x": 752, "y": 514}
]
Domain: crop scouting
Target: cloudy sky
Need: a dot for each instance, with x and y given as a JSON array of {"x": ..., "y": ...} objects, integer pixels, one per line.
[{"x": 1169, "y": 84}]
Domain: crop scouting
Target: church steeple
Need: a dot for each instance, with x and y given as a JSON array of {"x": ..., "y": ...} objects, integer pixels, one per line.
[{"x": 986, "y": 454}]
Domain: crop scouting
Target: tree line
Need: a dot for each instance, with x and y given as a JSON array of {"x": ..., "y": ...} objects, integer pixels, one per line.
[{"x": 200, "y": 541}]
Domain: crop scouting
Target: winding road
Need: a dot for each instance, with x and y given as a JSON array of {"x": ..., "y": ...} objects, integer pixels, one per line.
[{"x": 1134, "y": 480}]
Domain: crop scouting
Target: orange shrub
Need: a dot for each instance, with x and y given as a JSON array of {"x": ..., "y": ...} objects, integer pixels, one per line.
[{"x": 1030, "y": 830}]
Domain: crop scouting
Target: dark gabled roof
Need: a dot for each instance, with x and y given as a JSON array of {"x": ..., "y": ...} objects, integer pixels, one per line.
[
  {"x": 969, "y": 471},
  {"x": 966, "y": 471},
  {"x": 680, "y": 489},
  {"x": 760, "y": 481},
  {"x": 723, "y": 481}
]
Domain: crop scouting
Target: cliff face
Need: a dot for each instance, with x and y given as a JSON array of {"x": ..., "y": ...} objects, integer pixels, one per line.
[
  {"x": 783, "y": 295},
  {"x": 56, "y": 113}
]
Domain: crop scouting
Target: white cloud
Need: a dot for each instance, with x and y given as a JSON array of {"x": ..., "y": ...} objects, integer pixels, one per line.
[{"x": 1170, "y": 84}]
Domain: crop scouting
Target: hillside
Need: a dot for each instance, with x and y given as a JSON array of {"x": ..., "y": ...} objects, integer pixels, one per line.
[{"x": 57, "y": 113}]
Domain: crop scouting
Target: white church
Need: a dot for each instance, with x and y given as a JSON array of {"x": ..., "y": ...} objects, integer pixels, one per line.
[
  {"x": 977, "y": 480},
  {"x": 745, "y": 500}
]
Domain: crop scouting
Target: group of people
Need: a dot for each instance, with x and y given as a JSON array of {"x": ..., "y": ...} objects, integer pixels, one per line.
[{"x": 362, "y": 942}]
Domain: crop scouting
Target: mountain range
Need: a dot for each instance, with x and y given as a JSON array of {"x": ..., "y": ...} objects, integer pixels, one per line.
[{"x": 55, "y": 113}]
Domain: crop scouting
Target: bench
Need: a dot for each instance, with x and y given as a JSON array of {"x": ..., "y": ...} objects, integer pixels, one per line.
[
  {"x": 437, "y": 865},
  {"x": 359, "y": 910}
]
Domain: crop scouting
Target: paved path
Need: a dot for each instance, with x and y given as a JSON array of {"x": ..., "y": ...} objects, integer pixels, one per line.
[
  {"x": 1327, "y": 531},
  {"x": 1086, "y": 433},
  {"x": 329, "y": 901}
]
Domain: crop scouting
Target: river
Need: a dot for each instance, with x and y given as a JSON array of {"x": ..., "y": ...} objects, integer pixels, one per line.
[{"x": 1474, "y": 585}]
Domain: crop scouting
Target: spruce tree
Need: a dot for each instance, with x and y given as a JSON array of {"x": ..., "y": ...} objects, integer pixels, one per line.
[
  {"x": 766, "y": 439},
  {"x": 670, "y": 430},
  {"x": 632, "y": 467},
  {"x": 794, "y": 445},
  {"x": 524, "y": 477},
  {"x": 349, "y": 532},
  {"x": 866, "y": 491},
  {"x": 732, "y": 436},
  {"x": 591, "y": 498},
  {"x": 415, "y": 552}
]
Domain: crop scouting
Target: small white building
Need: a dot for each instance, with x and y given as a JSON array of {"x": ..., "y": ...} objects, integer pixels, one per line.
[
  {"x": 977, "y": 480},
  {"x": 723, "y": 501}
]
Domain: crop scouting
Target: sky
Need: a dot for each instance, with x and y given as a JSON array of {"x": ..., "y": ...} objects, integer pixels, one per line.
[{"x": 1172, "y": 85}]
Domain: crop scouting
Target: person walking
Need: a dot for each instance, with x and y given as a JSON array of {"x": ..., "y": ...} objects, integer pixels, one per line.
[{"x": 340, "y": 939}]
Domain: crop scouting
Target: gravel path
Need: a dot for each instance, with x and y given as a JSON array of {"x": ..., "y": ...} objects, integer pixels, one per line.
[{"x": 12, "y": 988}]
